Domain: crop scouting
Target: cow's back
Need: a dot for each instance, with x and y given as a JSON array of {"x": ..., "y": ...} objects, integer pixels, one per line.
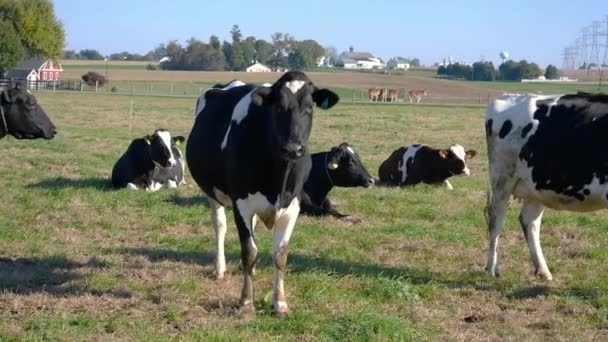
[
  {"x": 132, "y": 165},
  {"x": 389, "y": 169}
]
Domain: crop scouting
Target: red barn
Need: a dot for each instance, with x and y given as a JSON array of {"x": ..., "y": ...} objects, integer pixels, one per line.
[{"x": 48, "y": 70}]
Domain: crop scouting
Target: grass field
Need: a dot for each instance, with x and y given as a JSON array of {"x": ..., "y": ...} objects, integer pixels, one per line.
[{"x": 81, "y": 261}]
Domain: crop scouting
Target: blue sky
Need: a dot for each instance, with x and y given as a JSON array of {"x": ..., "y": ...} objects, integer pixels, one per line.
[{"x": 428, "y": 29}]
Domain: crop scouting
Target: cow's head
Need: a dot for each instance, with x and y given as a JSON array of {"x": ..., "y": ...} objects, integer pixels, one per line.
[
  {"x": 163, "y": 147},
  {"x": 455, "y": 158},
  {"x": 23, "y": 117},
  {"x": 346, "y": 169},
  {"x": 290, "y": 102}
]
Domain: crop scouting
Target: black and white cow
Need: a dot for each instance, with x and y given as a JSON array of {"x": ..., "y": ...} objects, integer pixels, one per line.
[
  {"x": 417, "y": 163},
  {"x": 150, "y": 162},
  {"x": 22, "y": 117},
  {"x": 547, "y": 151},
  {"x": 341, "y": 166},
  {"x": 249, "y": 149}
]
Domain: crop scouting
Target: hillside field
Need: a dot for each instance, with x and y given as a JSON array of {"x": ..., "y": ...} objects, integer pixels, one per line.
[{"x": 82, "y": 261}]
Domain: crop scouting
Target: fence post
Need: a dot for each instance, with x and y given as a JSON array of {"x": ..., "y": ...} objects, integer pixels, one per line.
[
  {"x": 170, "y": 89},
  {"x": 54, "y": 85},
  {"x": 150, "y": 88},
  {"x": 353, "y": 95},
  {"x": 81, "y": 88},
  {"x": 131, "y": 82},
  {"x": 479, "y": 98},
  {"x": 96, "y": 85}
]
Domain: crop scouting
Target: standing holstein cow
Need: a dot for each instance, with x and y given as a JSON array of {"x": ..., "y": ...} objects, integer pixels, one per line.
[
  {"x": 150, "y": 162},
  {"x": 22, "y": 117},
  {"x": 249, "y": 149},
  {"x": 547, "y": 151},
  {"x": 414, "y": 164},
  {"x": 341, "y": 166}
]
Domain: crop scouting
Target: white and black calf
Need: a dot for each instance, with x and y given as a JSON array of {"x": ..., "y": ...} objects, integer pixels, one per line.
[
  {"x": 249, "y": 149},
  {"x": 548, "y": 151},
  {"x": 22, "y": 117},
  {"x": 414, "y": 164},
  {"x": 341, "y": 166},
  {"x": 150, "y": 163}
]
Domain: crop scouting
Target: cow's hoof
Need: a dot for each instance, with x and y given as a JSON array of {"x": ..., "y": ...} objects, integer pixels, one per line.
[
  {"x": 493, "y": 272},
  {"x": 247, "y": 310},
  {"x": 544, "y": 274},
  {"x": 281, "y": 311}
]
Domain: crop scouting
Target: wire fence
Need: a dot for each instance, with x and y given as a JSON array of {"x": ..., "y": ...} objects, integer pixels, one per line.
[{"x": 195, "y": 89}]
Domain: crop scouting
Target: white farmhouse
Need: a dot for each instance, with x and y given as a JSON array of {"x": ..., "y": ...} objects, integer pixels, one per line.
[
  {"x": 257, "y": 67},
  {"x": 360, "y": 60}
]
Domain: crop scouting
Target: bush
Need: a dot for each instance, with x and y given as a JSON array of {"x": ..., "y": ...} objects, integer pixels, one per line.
[
  {"x": 113, "y": 89},
  {"x": 151, "y": 67},
  {"x": 91, "y": 78},
  {"x": 551, "y": 72}
]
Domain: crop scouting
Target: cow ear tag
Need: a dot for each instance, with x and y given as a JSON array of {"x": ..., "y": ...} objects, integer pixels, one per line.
[
  {"x": 332, "y": 166},
  {"x": 147, "y": 140},
  {"x": 178, "y": 143}
]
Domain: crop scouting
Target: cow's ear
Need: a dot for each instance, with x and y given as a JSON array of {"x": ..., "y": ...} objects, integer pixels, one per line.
[
  {"x": 470, "y": 154},
  {"x": 325, "y": 98},
  {"x": 148, "y": 139},
  {"x": 178, "y": 140},
  {"x": 443, "y": 153},
  {"x": 258, "y": 95}
]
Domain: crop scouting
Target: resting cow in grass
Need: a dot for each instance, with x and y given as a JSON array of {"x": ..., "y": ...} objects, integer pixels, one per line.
[
  {"x": 249, "y": 149},
  {"x": 414, "y": 164},
  {"x": 547, "y": 151},
  {"x": 150, "y": 162},
  {"x": 22, "y": 117},
  {"x": 339, "y": 167}
]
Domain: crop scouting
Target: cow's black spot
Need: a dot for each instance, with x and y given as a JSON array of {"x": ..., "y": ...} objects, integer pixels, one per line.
[
  {"x": 505, "y": 129},
  {"x": 586, "y": 192},
  {"x": 526, "y": 130},
  {"x": 489, "y": 127}
]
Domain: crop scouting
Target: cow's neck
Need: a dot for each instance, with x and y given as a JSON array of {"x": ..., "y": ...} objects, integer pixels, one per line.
[
  {"x": 319, "y": 178},
  {"x": 290, "y": 174}
]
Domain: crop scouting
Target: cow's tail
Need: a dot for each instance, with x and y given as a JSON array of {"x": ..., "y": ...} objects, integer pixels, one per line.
[{"x": 486, "y": 210}]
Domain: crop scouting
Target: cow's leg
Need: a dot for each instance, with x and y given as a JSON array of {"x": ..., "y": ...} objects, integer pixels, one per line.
[
  {"x": 218, "y": 216},
  {"x": 448, "y": 185},
  {"x": 498, "y": 202},
  {"x": 249, "y": 251},
  {"x": 530, "y": 218},
  {"x": 282, "y": 232}
]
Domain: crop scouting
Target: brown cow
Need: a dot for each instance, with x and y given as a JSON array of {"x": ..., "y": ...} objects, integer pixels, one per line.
[
  {"x": 374, "y": 94},
  {"x": 393, "y": 95},
  {"x": 416, "y": 94},
  {"x": 413, "y": 164}
]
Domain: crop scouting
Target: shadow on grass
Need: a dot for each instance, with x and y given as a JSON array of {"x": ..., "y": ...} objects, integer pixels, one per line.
[
  {"x": 52, "y": 275},
  {"x": 300, "y": 263},
  {"x": 189, "y": 201},
  {"x": 78, "y": 183}
]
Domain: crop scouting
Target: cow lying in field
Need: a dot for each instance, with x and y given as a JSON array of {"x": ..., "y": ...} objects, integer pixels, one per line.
[
  {"x": 22, "y": 117},
  {"x": 340, "y": 166},
  {"x": 150, "y": 163},
  {"x": 414, "y": 164},
  {"x": 547, "y": 151},
  {"x": 248, "y": 149}
]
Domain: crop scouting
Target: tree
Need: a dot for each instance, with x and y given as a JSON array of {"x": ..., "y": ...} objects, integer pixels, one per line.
[
  {"x": 249, "y": 52},
  {"x": 70, "y": 54},
  {"x": 91, "y": 54},
  {"x": 40, "y": 32},
  {"x": 11, "y": 50},
  {"x": 304, "y": 54},
  {"x": 551, "y": 72},
  {"x": 515, "y": 71},
  {"x": 215, "y": 43},
  {"x": 331, "y": 54},
  {"x": 529, "y": 70},
  {"x": 263, "y": 50},
  {"x": 415, "y": 63},
  {"x": 483, "y": 71}
]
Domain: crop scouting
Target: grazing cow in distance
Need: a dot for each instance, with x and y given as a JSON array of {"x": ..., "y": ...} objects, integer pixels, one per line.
[
  {"x": 413, "y": 164},
  {"x": 22, "y": 117},
  {"x": 547, "y": 151},
  {"x": 248, "y": 149},
  {"x": 393, "y": 95},
  {"x": 150, "y": 162},
  {"x": 416, "y": 94},
  {"x": 374, "y": 94},
  {"x": 340, "y": 166}
]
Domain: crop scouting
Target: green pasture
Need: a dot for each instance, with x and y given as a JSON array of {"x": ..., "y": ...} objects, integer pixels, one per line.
[
  {"x": 546, "y": 88},
  {"x": 102, "y": 67},
  {"x": 82, "y": 261}
]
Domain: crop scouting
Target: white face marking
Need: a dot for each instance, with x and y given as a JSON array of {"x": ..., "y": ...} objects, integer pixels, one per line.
[
  {"x": 294, "y": 86},
  {"x": 350, "y": 149},
  {"x": 409, "y": 153},
  {"x": 460, "y": 153},
  {"x": 238, "y": 114},
  {"x": 166, "y": 138}
]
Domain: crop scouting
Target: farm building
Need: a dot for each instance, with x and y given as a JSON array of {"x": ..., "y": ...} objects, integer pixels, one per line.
[
  {"x": 360, "y": 60},
  {"x": 398, "y": 63},
  {"x": 30, "y": 75},
  {"x": 257, "y": 67},
  {"x": 48, "y": 70}
]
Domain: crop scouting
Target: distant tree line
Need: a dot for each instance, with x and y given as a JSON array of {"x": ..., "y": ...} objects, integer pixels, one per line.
[
  {"x": 507, "y": 71},
  {"x": 282, "y": 51}
]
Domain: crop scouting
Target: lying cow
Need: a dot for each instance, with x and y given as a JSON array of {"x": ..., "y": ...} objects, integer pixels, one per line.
[
  {"x": 413, "y": 164},
  {"x": 150, "y": 162},
  {"x": 547, "y": 151},
  {"x": 22, "y": 117},
  {"x": 339, "y": 167}
]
